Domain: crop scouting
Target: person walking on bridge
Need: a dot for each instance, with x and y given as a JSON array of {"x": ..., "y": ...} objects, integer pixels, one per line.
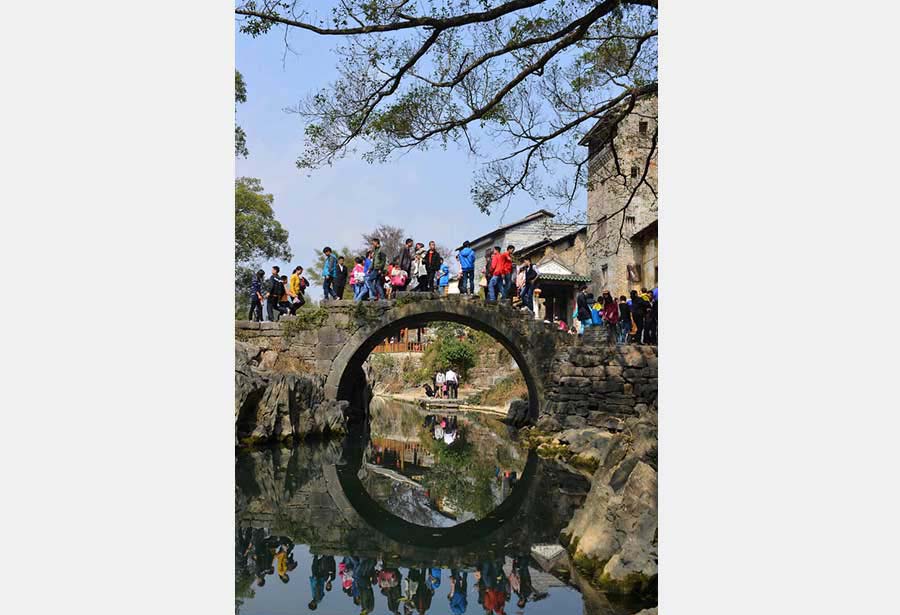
[
  {"x": 329, "y": 271},
  {"x": 405, "y": 260},
  {"x": 501, "y": 268},
  {"x": 256, "y": 296},
  {"x": 375, "y": 275},
  {"x": 527, "y": 292},
  {"x": 419, "y": 272},
  {"x": 433, "y": 262},
  {"x": 466, "y": 258},
  {"x": 610, "y": 317},
  {"x": 340, "y": 278},
  {"x": 273, "y": 293},
  {"x": 487, "y": 274}
]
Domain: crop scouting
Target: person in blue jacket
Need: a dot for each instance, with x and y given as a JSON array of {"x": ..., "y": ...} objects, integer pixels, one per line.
[
  {"x": 466, "y": 258},
  {"x": 444, "y": 280},
  {"x": 329, "y": 271}
]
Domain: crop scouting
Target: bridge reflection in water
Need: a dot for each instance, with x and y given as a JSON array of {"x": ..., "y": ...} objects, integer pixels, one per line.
[{"x": 301, "y": 510}]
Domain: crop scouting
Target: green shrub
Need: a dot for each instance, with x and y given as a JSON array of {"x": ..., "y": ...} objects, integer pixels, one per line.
[{"x": 306, "y": 319}]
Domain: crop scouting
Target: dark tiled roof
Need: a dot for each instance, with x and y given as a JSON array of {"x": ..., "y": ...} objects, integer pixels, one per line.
[{"x": 558, "y": 277}]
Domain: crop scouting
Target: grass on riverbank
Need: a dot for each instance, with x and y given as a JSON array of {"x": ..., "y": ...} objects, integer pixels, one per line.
[{"x": 511, "y": 387}]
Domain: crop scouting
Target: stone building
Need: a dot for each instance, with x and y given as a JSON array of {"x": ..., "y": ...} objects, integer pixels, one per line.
[
  {"x": 622, "y": 241},
  {"x": 562, "y": 265}
]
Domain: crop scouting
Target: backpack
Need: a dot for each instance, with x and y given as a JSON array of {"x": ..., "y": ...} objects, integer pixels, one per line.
[{"x": 277, "y": 289}]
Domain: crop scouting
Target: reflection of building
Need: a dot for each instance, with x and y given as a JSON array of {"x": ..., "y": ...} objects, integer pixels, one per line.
[
  {"x": 407, "y": 456},
  {"x": 622, "y": 243}
]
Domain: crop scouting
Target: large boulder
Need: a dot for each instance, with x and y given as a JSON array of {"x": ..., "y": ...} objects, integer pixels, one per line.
[
  {"x": 613, "y": 537},
  {"x": 283, "y": 406}
]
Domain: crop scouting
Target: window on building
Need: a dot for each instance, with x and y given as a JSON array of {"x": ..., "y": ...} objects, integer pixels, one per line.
[
  {"x": 604, "y": 276},
  {"x": 642, "y": 127},
  {"x": 634, "y": 172},
  {"x": 630, "y": 223}
]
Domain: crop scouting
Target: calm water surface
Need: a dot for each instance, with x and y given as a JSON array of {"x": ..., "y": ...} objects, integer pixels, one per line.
[{"x": 417, "y": 514}]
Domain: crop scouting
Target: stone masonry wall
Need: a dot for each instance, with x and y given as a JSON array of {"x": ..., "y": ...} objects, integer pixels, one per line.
[{"x": 593, "y": 383}]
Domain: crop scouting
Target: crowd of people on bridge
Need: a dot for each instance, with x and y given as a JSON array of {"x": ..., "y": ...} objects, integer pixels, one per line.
[
  {"x": 495, "y": 581},
  {"x": 372, "y": 276}
]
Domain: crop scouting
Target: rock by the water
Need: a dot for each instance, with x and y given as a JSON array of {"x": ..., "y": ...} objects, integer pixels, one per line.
[
  {"x": 517, "y": 413},
  {"x": 277, "y": 406},
  {"x": 614, "y": 534}
]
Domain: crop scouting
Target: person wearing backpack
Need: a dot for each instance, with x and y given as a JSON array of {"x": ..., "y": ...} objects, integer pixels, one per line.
[
  {"x": 582, "y": 308},
  {"x": 624, "y": 320},
  {"x": 433, "y": 262},
  {"x": 639, "y": 307},
  {"x": 274, "y": 290},
  {"x": 284, "y": 301},
  {"x": 256, "y": 296}
]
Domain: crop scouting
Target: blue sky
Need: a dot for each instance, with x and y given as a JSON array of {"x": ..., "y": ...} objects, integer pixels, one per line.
[{"x": 426, "y": 193}]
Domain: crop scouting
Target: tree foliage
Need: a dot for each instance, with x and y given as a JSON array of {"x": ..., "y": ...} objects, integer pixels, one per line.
[
  {"x": 461, "y": 477},
  {"x": 240, "y": 96},
  {"x": 448, "y": 351},
  {"x": 258, "y": 236},
  {"x": 529, "y": 77}
]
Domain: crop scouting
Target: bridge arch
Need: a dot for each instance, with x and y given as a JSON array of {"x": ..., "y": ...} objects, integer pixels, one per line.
[{"x": 526, "y": 340}]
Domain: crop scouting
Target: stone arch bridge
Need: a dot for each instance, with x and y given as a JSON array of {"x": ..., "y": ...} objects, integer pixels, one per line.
[{"x": 292, "y": 376}]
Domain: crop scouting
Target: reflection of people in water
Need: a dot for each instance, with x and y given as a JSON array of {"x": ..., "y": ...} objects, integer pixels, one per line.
[
  {"x": 263, "y": 549},
  {"x": 421, "y": 596},
  {"x": 389, "y": 582},
  {"x": 322, "y": 573},
  {"x": 345, "y": 569},
  {"x": 493, "y": 587},
  {"x": 457, "y": 595},
  {"x": 520, "y": 581},
  {"x": 363, "y": 579},
  {"x": 284, "y": 559}
]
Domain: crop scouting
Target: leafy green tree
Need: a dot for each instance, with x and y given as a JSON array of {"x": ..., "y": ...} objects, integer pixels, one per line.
[
  {"x": 448, "y": 351},
  {"x": 258, "y": 236},
  {"x": 533, "y": 76},
  {"x": 240, "y": 96}
]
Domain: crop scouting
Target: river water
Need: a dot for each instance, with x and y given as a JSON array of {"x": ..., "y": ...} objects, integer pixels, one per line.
[{"x": 415, "y": 514}]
